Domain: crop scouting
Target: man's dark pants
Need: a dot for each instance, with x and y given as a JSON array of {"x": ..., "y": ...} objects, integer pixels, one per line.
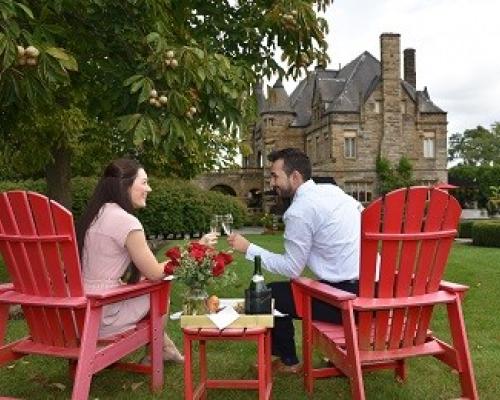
[{"x": 282, "y": 336}]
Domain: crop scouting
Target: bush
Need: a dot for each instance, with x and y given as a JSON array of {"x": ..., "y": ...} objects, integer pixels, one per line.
[
  {"x": 465, "y": 229},
  {"x": 486, "y": 234},
  {"x": 174, "y": 205}
]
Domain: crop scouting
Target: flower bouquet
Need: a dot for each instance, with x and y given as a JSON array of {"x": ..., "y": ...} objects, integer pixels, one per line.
[{"x": 196, "y": 266}]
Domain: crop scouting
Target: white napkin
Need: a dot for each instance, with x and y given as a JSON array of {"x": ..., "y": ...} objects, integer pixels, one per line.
[
  {"x": 277, "y": 313},
  {"x": 176, "y": 315},
  {"x": 224, "y": 317}
]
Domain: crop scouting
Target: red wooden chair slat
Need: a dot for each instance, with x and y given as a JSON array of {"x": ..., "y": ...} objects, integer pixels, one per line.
[
  {"x": 367, "y": 282},
  {"x": 413, "y": 230},
  {"x": 16, "y": 262},
  {"x": 46, "y": 320},
  {"x": 392, "y": 215},
  {"x": 38, "y": 245},
  {"x": 412, "y": 224},
  {"x": 67, "y": 332}
]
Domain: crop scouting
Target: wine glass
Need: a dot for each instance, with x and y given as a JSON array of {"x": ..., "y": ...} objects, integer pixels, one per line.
[
  {"x": 215, "y": 224},
  {"x": 227, "y": 221}
]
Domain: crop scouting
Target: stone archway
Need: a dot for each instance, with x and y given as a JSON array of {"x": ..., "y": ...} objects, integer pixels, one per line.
[
  {"x": 225, "y": 189},
  {"x": 254, "y": 199}
]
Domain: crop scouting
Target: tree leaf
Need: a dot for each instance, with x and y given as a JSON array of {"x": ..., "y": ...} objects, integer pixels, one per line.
[
  {"x": 141, "y": 131},
  {"x": 128, "y": 122},
  {"x": 132, "y": 79},
  {"x": 152, "y": 37},
  {"x": 58, "y": 53},
  {"x": 26, "y": 9},
  {"x": 70, "y": 64},
  {"x": 147, "y": 85}
]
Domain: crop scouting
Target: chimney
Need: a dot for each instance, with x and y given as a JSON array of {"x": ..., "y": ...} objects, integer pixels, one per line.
[
  {"x": 391, "y": 143},
  {"x": 390, "y": 56},
  {"x": 410, "y": 74}
]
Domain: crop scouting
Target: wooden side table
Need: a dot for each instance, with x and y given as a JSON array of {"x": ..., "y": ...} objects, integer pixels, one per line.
[{"x": 260, "y": 335}]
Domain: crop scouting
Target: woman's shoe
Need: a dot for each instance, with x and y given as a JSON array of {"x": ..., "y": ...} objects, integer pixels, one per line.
[{"x": 170, "y": 352}]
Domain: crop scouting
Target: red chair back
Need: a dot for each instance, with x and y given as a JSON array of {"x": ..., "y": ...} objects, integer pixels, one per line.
[
  {"x": 408, "y": 234},
  {"x": 38, "y": 245}
]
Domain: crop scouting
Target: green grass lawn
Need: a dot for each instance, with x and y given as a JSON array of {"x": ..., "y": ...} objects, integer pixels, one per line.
[{"x": 44, "y": 378}]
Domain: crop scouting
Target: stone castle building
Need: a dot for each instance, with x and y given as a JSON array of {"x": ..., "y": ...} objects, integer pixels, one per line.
[{"x": 344, "y": 119}]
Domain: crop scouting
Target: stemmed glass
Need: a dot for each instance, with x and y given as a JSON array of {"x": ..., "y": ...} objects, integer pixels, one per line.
[
  {"x": 215, "y": 224},
  {"x": 226, "y": 222}
]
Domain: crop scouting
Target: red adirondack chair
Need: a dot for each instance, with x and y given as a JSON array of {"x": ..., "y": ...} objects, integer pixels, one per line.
[
  {"x": 38, "y": 245},
  {"x": 409, "y": 232}
]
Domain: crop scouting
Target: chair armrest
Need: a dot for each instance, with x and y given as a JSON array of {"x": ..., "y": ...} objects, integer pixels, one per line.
[
  {"x": 126, "y": 292},
  {"x": 5, "y": 287},
  {"x": 323, "y": 292},
  {"x": 452, "y": 287},
  {"x": 13, "y": 297}
]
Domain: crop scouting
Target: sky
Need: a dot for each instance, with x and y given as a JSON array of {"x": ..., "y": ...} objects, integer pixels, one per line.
[{"x": 457, "y": 45}]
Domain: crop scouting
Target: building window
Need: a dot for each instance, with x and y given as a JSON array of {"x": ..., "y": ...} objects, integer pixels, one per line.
[
  {"x": 361, "y": 191},
  {"x": 244, "y": 162},
  {"x": 403, "y": 107},
  {"x": 260, "y": 161},
  {"x": 317, "y": 148},
  {"x": 350, "y": 144},
  {"x": 429, "y": 145},
  {"x": 377, "y": 107},
  {"x": 327, "y": 146}
]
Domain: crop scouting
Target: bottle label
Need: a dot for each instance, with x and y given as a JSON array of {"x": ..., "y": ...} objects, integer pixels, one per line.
[{"x": 257, "y": 278}]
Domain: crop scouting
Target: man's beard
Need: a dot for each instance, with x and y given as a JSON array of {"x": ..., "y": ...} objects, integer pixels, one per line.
[{"x": 285, "y": 193}]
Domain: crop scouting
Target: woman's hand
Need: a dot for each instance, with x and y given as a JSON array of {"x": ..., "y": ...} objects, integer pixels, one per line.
[{"x": 209, "y": 239}]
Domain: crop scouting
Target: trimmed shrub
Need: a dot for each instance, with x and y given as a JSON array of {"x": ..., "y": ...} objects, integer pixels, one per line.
[
  {"x": 174, "y": 206},
  {"x": 465, "y": 229},
  {"x": 486, "y": 234}
]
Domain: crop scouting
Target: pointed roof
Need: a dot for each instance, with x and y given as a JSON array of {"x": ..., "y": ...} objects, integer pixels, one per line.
[
  {"x": 278, "y": 100},
  {"x": 344, "y": 90}
]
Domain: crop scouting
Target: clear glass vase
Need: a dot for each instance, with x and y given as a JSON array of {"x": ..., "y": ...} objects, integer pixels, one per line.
[{"x": 195, "y": 301}]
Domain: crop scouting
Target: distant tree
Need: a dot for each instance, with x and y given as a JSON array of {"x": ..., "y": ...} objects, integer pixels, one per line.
[
  {"x": 169, "y": 81},
  {"x": 394, "y": 177},
  {"x": 474, "y": 183},
  {"x": 479, "y": 146}
]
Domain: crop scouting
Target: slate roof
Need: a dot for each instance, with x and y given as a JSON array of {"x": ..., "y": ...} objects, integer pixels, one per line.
[
  {"x": 278, "y": 100},
  {"x": 343, "y": 89}
]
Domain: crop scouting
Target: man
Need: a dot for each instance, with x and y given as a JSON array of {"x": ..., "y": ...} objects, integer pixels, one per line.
[{"x": 322, "y": 231}]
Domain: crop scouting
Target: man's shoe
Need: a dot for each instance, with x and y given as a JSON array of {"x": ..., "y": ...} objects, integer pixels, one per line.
[{"x": 278, "y": 367}]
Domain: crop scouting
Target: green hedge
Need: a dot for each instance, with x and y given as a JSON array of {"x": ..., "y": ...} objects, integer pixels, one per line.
[
  {"x": 465, "y": 229},
  {"x": 486, "y": 234},
  {"x": 174, "y": 206}
]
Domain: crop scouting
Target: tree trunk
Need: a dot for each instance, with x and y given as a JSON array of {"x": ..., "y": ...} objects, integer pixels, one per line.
[{"x": 58, "y": 176}]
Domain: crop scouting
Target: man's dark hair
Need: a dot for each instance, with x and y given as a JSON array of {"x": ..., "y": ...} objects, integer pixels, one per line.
[{"x": 293, "y": 160}]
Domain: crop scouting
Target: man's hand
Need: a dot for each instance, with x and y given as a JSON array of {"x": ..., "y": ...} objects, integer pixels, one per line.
[
  {"x": 209, "y": 239},
  {"x": 238, "y": 242}
]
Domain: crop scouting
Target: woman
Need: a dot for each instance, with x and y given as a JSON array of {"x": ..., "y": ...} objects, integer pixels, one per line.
[{"x": 110, "y": 237}]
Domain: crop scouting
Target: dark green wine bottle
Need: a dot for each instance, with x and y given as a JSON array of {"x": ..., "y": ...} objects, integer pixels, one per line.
[
  {"x": 258, "y": 295},
  {"x": 257, "y": 284}
]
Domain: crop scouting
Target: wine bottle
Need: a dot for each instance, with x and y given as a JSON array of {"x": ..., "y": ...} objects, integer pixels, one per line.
[
  {"x": 258, "y": 295},
  {"x": 257, "y": 284}
]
